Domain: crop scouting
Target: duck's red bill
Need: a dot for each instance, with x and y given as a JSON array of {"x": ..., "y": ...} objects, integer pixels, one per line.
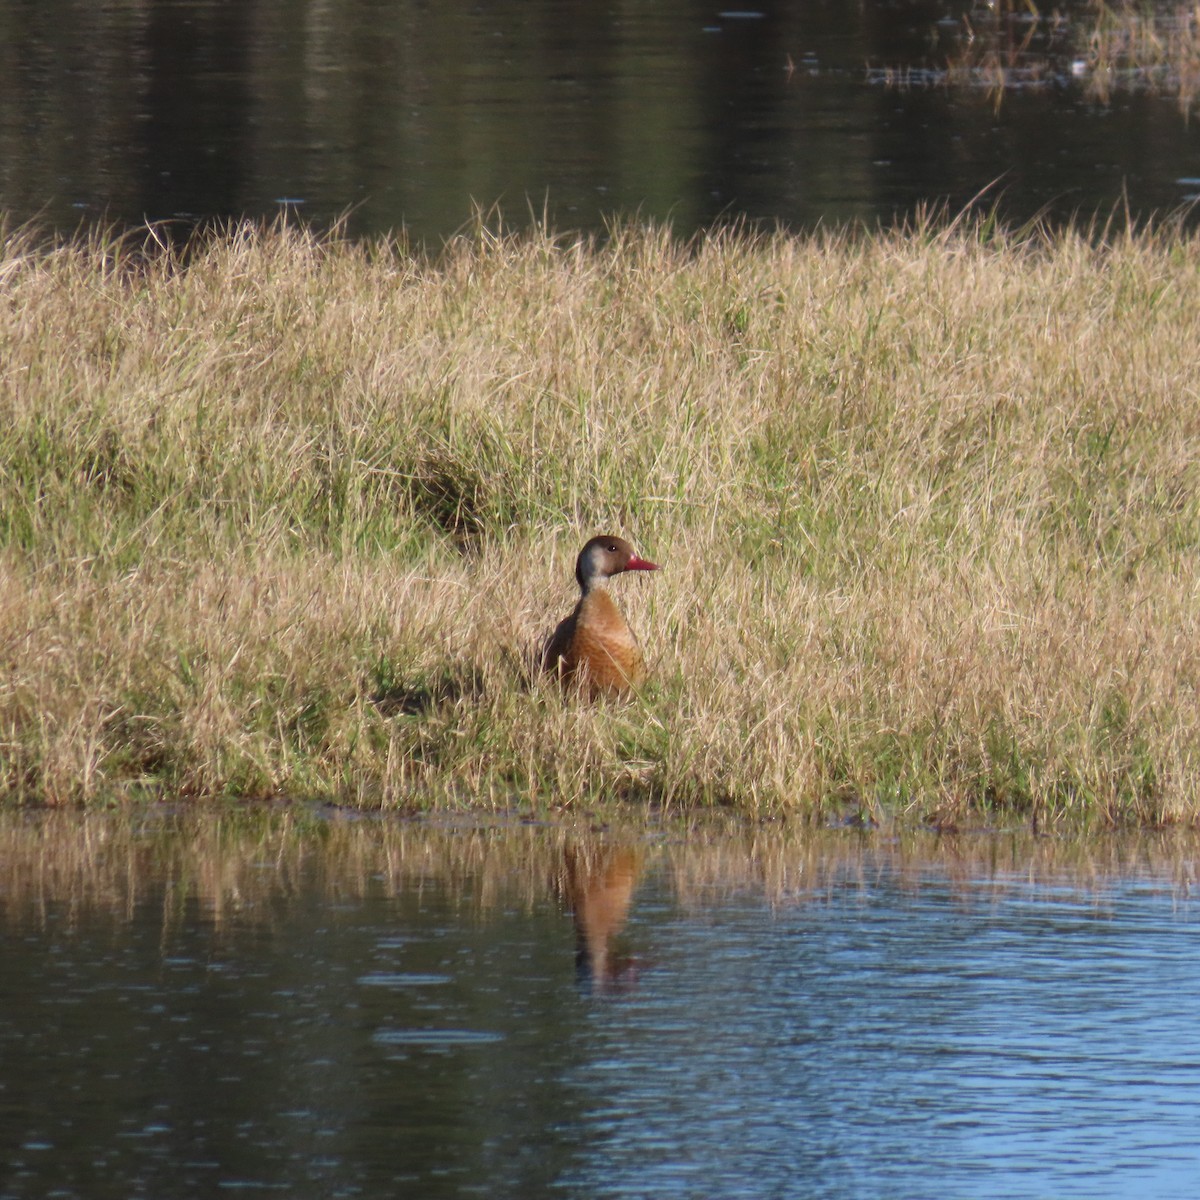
[{"x": 641, "y": 564}]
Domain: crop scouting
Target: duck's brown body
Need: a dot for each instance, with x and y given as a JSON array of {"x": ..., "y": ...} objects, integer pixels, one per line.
[{"x": 594, "y": 647}]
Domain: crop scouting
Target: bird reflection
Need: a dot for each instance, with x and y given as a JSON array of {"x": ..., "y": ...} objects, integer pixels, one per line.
[{"x": 597, "y": 885}]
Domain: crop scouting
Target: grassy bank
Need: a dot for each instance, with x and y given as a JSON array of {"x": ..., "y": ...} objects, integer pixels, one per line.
[{"x": 284, "y": 520}]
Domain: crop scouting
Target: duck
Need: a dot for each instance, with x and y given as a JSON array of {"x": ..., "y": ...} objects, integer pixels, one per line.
[{"x": 594, "y": 647}]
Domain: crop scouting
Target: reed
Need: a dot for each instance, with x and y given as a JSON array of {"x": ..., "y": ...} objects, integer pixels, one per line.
[
  {"x": 282, "y": 515},
  {"x": 1106, "y": 50},
  {"x": 1135, "y": 46}
]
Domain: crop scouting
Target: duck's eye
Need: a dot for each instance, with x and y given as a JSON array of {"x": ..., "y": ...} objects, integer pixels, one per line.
[{"x": 611, "y": 548}]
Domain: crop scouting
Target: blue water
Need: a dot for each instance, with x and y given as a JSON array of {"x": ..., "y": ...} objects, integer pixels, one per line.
[
  {"x": 339, "y": 1025},
  {"x": 880, "y": 1043}
]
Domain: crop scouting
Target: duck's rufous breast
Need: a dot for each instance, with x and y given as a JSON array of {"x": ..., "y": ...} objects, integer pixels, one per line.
[{"x": 596, "y": 647}]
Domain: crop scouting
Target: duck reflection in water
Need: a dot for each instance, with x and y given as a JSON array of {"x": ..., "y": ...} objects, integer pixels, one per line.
[{"x": 596, "y": 884}]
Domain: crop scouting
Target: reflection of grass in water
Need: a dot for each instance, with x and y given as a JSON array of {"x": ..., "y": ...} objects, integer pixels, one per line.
[
  {"x": 284, "y": 519},
  {"x": 240, "y": 860},
  {"x": 239, "y": 865},
  {"x": 1139, "y": 45},
  {"x": 1015, "y": 44}
]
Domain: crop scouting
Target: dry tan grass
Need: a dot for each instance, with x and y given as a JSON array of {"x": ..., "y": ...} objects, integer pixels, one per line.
[{"x": 285, "y": 517}]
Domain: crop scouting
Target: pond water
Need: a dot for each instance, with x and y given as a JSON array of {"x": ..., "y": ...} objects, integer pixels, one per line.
[
  {"x": 330, "y": 1007},
  {"x": 408, "y": 115}
]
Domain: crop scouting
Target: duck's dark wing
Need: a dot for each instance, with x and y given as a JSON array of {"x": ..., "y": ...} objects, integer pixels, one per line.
[{"x": 556, "y": 647}]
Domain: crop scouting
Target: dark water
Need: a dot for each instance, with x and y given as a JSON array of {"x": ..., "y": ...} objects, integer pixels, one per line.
[
  {"x": 382, "y": 1011},
  {"x": 408, "y": 114}
]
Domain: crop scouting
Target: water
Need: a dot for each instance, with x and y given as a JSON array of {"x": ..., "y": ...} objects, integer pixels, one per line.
[
  {"x": 409, "y": 115},
  {"x": 201, "y": 1006}
]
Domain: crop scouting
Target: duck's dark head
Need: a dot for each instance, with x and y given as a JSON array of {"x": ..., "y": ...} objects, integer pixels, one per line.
[{"x": 606, "y": 556}]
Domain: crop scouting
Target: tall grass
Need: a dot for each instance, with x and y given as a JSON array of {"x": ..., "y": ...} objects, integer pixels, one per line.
[{"x": 283, "y": 514}]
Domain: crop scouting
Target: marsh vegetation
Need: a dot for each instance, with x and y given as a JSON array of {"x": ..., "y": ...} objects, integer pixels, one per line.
[{"x": 1105, "y": 49}]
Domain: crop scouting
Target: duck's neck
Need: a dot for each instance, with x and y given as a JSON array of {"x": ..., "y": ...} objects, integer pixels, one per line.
[{"x": 592, "y": 583}]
